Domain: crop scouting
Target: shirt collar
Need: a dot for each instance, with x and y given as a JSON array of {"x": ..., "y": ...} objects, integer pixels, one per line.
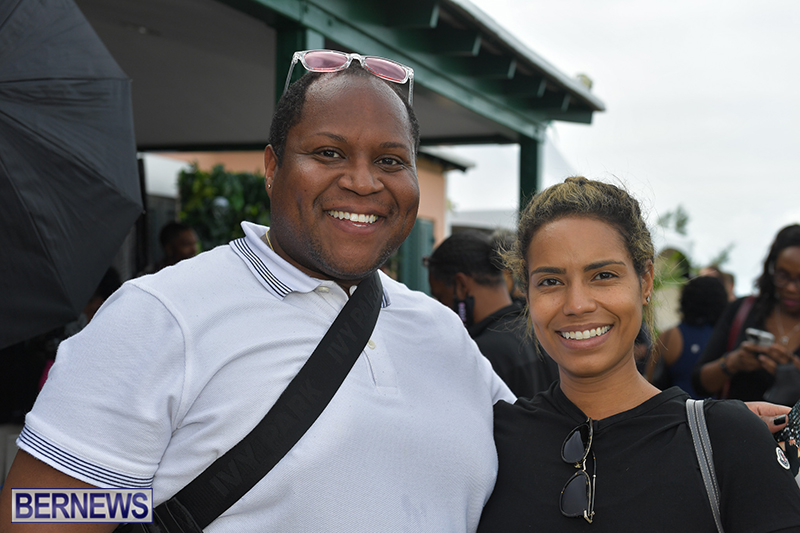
[{"x": 276, "y": 274}]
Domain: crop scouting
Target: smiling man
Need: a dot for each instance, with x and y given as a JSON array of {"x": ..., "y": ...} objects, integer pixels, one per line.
[{"x": 179, "y": 366}]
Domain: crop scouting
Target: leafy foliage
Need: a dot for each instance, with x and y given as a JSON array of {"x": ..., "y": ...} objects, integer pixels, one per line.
[
  {"x": 722, "y": 257},
  {"x": 677, "y": 220},
  {"x": 214, "y": 203},
  {"x": 671, "y": 269}
]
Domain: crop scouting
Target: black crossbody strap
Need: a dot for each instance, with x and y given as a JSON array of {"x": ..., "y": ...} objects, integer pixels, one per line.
[
  {"x": 226, "y": 480},
  {"x": 705, "y": 457}
]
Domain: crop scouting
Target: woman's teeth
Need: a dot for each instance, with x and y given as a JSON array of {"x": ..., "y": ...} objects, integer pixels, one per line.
[
  {"x": 353, "y": 217},
  {"x": 586, "y": 334}
]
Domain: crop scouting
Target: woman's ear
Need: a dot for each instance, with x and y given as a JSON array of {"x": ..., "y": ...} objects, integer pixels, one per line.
[{"x": 647, "y": 282}]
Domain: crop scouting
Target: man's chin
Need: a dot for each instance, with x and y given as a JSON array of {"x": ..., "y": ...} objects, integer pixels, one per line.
[{"x": 350, "y": 276}]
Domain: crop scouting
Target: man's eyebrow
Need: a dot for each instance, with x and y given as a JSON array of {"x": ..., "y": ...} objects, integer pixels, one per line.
[
  {"x": 342, "y": 139},
  {"x": 601, "y": 264},
  {"x": 332, "y": 136},
  {"x": 393, "y": 144}
]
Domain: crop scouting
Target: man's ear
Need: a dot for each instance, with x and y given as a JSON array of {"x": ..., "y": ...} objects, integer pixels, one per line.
[
  {"x": 463, "y": 285},
  {"x": 270, "y": 167}
]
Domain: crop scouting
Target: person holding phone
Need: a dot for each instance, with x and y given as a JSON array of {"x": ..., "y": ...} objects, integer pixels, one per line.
[
  {"x": 734, "y": 366},
  {"x": 603, "y": 446}
]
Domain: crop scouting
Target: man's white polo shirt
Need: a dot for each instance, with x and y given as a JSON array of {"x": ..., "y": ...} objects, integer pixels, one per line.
[{"x": 179, "y": 366}]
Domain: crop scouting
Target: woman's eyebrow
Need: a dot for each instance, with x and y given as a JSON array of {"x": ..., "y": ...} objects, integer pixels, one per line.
[
  {"x": 548, "y": 270},
  {"x": 601, "y": 264}
]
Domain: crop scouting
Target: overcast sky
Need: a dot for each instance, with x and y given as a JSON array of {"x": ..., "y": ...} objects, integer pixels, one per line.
[{"x": 702, "y": 110}]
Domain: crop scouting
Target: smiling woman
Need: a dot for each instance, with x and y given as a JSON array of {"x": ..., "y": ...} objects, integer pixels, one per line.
[{"x": 586, "y": 256}]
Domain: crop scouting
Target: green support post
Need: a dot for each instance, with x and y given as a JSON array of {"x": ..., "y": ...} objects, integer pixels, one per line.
[
  {"x": 288, "y": 41},
  {"x": 531, "y": 159},
  {"x": 418, "y": 245}
]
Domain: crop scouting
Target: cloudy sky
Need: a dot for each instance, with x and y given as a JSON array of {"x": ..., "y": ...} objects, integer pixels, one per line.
[{"x": 703, "y": 111}]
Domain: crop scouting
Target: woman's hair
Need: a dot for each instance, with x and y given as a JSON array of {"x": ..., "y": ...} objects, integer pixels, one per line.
[
  {"x": 786, "y": 237},
  {"x": 289, "y": 109},
  {"x": 470, "y": 252},
  {"x": 702, "y": 301},
  {"x": 582, "y": 197}
]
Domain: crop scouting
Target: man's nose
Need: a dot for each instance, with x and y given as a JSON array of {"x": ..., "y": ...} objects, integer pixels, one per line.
[{"x": 360, "y": 177}]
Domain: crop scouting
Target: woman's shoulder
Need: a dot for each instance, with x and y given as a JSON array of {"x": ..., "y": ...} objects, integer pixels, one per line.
[
  {"x": 736, "y": 432},
  {"x": 539, "y": 417}
]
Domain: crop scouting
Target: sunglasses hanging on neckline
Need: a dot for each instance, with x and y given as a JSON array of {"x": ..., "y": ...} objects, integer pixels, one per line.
[{"x": 577, "y": 496}]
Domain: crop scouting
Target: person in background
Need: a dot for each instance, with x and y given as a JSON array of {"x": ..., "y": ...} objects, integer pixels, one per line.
[
  {"x": 703, "y": 299},
  {"x": 504, "y": 240},
  {"x": 178, "y": 242},
  {"x": 734, "y": 367},
  {"x": 728, "y": 280},
  {"x": 466, "y": 275},
  {"x": 603, "y": 445}
]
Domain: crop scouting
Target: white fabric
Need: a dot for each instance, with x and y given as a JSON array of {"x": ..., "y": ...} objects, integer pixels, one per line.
[{"x": 179, "y": 366}]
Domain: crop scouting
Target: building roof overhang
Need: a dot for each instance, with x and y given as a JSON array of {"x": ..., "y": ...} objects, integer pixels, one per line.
[{"x": 205, "y": 72}]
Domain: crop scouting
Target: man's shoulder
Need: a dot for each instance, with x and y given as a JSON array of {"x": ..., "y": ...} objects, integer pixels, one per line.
[
  {"x": 403, "y": 297},
  {"x": 424, "y": 310},
  {"x": 216, "y": 270}
]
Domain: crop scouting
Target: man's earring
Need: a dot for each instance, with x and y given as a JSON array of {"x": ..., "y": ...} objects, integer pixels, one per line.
[{"x": 648, "y": 299}]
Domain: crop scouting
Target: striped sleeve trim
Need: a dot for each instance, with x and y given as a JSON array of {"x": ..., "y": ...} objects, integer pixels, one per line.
[
  {"x": 76, "y": 467},
  {"x": 276, "y": 285}
]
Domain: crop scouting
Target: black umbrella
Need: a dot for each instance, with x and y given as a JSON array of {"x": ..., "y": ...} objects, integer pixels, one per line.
[{"x": 69, "y": 186}]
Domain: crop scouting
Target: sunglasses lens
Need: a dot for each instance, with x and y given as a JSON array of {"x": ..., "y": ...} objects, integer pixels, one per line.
[
  {"x": 322, "y": 60},
  {"x": 575, "y": 496},
  {"x": 386, "y": 69},
  {"x": 576, "y": 445}
]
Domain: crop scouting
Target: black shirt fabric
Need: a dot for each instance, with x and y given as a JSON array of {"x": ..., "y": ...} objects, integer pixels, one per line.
[
  {"x": 502, "y": 339},
  {"x": 745, "y": 386},
  {"x": 648, "y": 478}
]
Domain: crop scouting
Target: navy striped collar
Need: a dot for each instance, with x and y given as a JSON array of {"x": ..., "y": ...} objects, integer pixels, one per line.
[{"x": 272, "y": 271}]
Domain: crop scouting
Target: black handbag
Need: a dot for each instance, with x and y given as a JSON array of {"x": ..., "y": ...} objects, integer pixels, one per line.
[{"x": 228, "y": 478}]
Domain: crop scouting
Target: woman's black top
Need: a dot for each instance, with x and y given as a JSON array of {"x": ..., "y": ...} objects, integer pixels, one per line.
[{"x": 648, "y": 478}]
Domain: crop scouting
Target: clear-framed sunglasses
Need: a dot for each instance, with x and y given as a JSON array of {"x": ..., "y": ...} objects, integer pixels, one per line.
[{"x": 334, "y": 61}]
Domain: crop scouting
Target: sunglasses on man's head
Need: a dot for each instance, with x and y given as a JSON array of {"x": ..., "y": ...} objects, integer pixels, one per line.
[
  {"x": 577, "y": 496},
  {"x": 334, "y": 61}
]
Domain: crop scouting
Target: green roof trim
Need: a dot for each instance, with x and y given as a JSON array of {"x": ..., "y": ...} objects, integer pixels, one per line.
[{"x": 455, "y": 50}]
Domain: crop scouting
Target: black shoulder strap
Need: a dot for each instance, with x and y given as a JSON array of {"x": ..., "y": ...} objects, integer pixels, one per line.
[
  {"x": 705, "y": 457},
  {"x": 226, "y": 480}
]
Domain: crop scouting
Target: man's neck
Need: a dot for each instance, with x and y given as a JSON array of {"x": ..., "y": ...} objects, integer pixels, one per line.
[{"x": 489, "y": 300}]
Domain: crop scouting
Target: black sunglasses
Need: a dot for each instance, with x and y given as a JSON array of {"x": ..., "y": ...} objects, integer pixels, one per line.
[{"x": 577, "y": 496}]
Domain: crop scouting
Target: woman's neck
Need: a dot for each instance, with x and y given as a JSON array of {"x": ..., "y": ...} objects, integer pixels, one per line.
[{"x": 604, "y": 396}]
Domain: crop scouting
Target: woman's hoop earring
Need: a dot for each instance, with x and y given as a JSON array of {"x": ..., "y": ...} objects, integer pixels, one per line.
[{"x": 648, "y": 299}]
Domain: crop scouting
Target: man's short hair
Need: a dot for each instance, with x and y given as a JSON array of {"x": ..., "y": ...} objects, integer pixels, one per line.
[{"x": 289, "y": 110}]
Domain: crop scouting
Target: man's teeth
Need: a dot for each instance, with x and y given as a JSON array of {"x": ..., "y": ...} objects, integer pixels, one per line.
[
  {"x": 585, "y": 334},
  {"x": 353, "y": 217}
]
